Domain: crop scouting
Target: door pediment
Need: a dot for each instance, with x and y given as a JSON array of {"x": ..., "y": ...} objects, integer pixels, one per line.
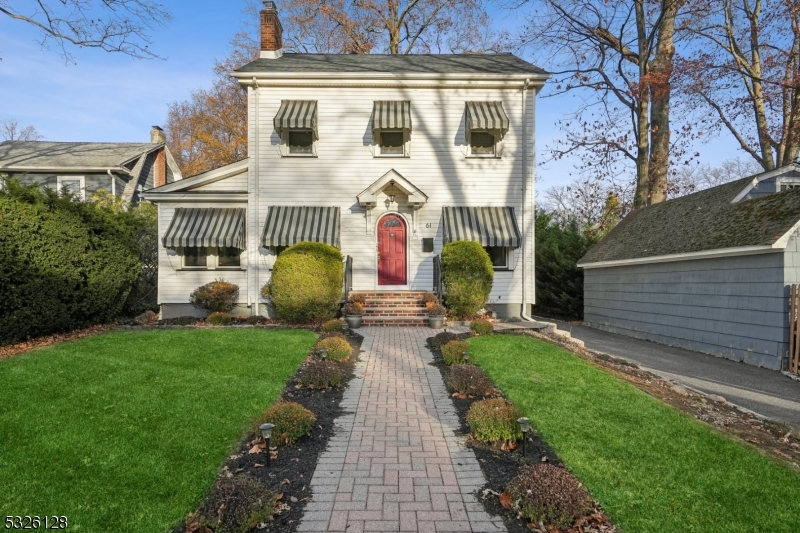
[{"x": 369, "y": 196}]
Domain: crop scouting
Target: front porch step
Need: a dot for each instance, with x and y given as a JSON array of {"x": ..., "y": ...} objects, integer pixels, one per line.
[
  {"x": 390, "y": 295},
  {"x": 406, "y": 304},
  {"x": 393, "y": 312},
  {"x": 394, "y": 321}
]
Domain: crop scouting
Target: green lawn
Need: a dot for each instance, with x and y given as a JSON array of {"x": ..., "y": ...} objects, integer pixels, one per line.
[
  {"x": 126, "y": 431},
  {"x": 652, "y": 468}
]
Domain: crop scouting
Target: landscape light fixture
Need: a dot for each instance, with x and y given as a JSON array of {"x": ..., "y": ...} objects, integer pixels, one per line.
[
  {"x": 525, "y": 426},
  {"x": 266, "y": 432},
  {"x": 466, "y": 358},
  {"x": 323, "y": 354}
]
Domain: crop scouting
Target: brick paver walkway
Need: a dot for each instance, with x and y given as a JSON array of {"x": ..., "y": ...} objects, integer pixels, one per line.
[{"x": 394, "y": 463}]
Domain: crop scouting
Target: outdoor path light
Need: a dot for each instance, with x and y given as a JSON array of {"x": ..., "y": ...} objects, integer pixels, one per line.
[
  {"x": 466, "y": 358},
  {"x": 525, "y": 426},
  {"x": 266, "y": 432},
  {"x": 323, "y": 354}
]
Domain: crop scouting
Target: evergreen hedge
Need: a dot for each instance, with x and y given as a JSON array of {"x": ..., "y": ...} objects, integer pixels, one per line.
[
  {"x": 467, "y": 274},
  {"x": 307, "y": 282},
  {"x": 64, "y": 264}
]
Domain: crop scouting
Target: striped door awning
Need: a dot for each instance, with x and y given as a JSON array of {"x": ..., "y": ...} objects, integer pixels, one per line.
[
  {"x": 288, "y": 225},
  {"x": 490, "y": 226},
  {"x": 487, "y": 116},
  {"x": 206, "y": 226},
  {"x": 297, "y": 114},
  {"x": 391, "y": 115}
]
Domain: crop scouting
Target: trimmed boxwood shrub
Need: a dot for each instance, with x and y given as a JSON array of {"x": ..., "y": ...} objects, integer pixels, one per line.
[
  {"x": 307, "y": 282},
  {"x": 291, "y": 420},
  {"x": 338, "y": 348},
  {"x": 470, "y": 379},
  {"x": 219, "y": 319},
  {"x": 216, "y": 297},
  {"x": 332, "y": 326},
  {"x": 548, "y": 494},
  {"x": 453, "y": 352},
  {"x": 467, "y": 274},
  {"x": 321, "y": 374},
  {"x": 443, "y": 338},
  {"x": 481, "y": 327},
  {"x": 494, "y": 421},
  {"x": 64, "y": 264}
]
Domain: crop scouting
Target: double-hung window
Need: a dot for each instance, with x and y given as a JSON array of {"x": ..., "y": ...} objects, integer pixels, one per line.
[
  {"x": 74, "y": 185},
  {"x": 296, "y": 123},
  {"x": 211, "y": 258},
  {"x": 391, "y": 128},
  {"x": 486, "y": 125},
  {"x": 499, "y": 256}
]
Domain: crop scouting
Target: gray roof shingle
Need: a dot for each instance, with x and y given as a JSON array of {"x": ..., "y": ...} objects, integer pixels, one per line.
[
  {"x": 394, "y": 64},
  {"x": 705, "y": 220},
  {"x": 69, "y": 155}
]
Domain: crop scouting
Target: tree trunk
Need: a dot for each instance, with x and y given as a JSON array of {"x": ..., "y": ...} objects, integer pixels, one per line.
[{"x": 642, "y": 115}]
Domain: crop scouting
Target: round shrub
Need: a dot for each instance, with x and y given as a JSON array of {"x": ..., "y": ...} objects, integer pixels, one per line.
[
  {"x": 358, "y": 298},
  {"x": 443, "y": 338},
  {"x": 429, "y": 299},
  {"x": 548, "y": 494},
  {"x": 437, "y": 310},
  {"x": 494, "y": 421},
  {"x": 64, "y": 264},
  {"x": 321, "y": 374},
  {"x": 331, "y": 326},
  {"x": 482, "y": 327},
  {"x": 453, "y": 352},
  {"x": 216, "y": 297},
  {"x": 291, "y": 420},
  {"x": 219, "y": 319},
  {"x": 469, "y": 379},
  {"x": 306, "y": 282},
  {"x": 338, "y": 348},
  {"x": 352, "y": 309},
  {"x": 467, "y": 274}
]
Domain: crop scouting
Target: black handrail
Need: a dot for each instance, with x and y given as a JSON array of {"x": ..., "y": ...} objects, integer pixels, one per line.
[
  {"x": 438, "y": 286},
  {"x": 348, "y": 277}
]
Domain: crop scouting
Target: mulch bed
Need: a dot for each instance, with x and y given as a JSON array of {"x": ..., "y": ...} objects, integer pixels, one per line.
[
  {"x": 501, "y": 466},
  {"x": 779, "y": 440},
  {"x": 292, "y": 467}
]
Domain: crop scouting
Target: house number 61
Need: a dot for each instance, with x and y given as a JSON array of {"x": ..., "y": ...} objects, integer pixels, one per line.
[{"x": 428, "y": 225}]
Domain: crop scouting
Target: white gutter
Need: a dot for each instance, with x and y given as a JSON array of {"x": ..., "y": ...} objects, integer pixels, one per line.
[
  {"x": 90, "y": 170},
  {"x": 412, "y": 76},
  {"x": 194, "y": 197},
  {"x": 113, "y": 182},
  {"x": 706, "y": 254},
  {"x": 256, "y": 200},
  {"x": 525, "y": 174}
]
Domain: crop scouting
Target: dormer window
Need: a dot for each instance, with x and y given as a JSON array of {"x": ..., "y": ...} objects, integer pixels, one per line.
[
  {"x": 391, "y": 128},
  {"x": 296, "y": 123},
  {"x": 786, "y": 185},
  {"x": 486, "y": 125}
]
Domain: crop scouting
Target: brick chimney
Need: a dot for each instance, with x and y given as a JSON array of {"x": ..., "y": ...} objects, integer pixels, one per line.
[
  {"x": 160, "y": 168},
  {"x": 157, "y": 135},
  {"x": 271, "y": 32}
]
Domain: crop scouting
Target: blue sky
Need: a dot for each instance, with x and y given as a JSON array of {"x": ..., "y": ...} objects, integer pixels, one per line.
[{"x": 113, "y": 98}]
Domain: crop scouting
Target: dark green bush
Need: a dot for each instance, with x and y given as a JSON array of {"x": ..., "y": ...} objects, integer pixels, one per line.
[
  {"x": 219, "y": 319},
  {"x": 470, "y": 379},
  {"x": 307, "y": 282},
  {"x": 332, "y": 325},
  {"x": 494, "y": 421},
  {"x": 548, "y": 494},
  {"x": 64, "y": 264},
  {"x": 467, "y": 274},
  {"x": 321, "y": 374},
  {"x": 453, "y": 352},
  {"x": 291, "y": 420},
  {"x": 443, "y": 338},
  {"x": 338, "y": 348},
  {"x": 482, "y": 327},
  {"x": 256, "y": 320},
  {"x": 216, "y": 297}
]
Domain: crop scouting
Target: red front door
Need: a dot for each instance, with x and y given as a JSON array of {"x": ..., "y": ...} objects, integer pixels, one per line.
[{"x": 392, "y": 251}]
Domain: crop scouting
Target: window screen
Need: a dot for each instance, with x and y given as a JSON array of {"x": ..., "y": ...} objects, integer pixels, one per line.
[
  {"x": 482, "y": 143},
  {"x": 301, "y": 142},
  {"x": 229, "y": 257},
  {"x": 72, "y": 186},
  {"x": 195, "y": 257},
  {"x": 392, "y": 142},
  {"x": 498, "y": 255}
]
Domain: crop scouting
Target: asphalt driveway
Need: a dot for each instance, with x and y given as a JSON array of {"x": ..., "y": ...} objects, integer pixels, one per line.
[{"x": 766, "y": 392}]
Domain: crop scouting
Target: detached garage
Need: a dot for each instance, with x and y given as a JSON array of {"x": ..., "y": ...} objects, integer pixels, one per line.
[{"x": 710, "y": 271}]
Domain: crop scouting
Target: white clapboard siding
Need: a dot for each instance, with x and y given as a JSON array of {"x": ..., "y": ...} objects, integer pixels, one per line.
[
  {"x": 236, "y": 182},
  {"x": 345, "y": 165},
  {"x": 175, "y": 285}
]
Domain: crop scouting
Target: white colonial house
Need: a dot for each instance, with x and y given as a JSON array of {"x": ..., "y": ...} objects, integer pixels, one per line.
[{"x": 386, "y": 157}]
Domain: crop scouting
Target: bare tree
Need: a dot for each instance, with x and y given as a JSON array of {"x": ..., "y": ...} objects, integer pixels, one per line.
[
  {"x": 595, "y": 205},
  {"x": 617, "y": 56},
  {"x": 11, "y": 130},
  {"x": 112, "y": 25},
  {"x": 692, "y": 178}
]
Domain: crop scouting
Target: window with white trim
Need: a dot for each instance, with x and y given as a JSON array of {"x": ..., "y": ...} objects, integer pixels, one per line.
[
  {"x": 500, "y": 256},
  {"x": 789, "y": 184},
  {"x": 74, "y": 185},
  {"x": 483, "y": 144},
  {"x": 392, "y": 143},
  {"x": 299, "y": 142},
  {"x": 211, "y": 258}
]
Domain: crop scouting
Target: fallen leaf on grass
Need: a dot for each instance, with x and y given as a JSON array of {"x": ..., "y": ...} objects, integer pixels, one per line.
[{"x": 505, "y": 500}]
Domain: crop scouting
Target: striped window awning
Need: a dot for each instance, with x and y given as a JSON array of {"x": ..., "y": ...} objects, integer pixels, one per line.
[
  {"x": 288, "y": 225},
  {"x": 487, "y": 116},
  {"x": 206, "y": 226},
  {"x": 490, "y": 226},
  {"x": 297, "y": 114},
  {"x": 391, "y": 115}
]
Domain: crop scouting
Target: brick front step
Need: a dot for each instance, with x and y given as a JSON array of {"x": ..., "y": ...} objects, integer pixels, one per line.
[
  {"x": 395, "y": 304},
  {"x": 394, "y": 321},
  {"x": 390, "y": 295},
  {"x": 372, "y": 313}
]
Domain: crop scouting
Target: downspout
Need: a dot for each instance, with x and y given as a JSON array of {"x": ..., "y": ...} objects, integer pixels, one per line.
[
  {"x": 525, "y": 177},
  {"x": 257, "y": 195},
  {"x": 113, "y": 182}
]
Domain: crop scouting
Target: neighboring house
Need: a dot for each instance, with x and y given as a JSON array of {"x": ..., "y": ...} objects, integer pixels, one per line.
[
  {"x": 385, "y": 157},
  {"x": 123, "y": 169},
  {"x": 709, "y": 271}
]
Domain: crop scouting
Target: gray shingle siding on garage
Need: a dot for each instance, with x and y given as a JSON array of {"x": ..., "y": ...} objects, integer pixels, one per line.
[{"x": 732, "y": 307}]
